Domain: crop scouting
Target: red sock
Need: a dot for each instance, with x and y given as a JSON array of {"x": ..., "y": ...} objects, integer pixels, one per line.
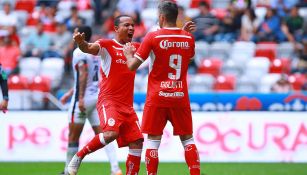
[
  {"x": 192, "y": 159},
  {"x": 133, "y": 165},
  {"x": 152, "y": 161},
  {"x": 90, "y": 147}
]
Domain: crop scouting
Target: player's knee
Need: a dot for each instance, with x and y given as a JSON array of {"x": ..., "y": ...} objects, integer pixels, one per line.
[
  {"x": 109, "y": 136},
  {"x": 138, "y": 144}
]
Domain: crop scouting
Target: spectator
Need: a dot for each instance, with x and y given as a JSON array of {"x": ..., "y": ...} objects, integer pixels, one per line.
[
  {"x": 61, "y": 39},
  {"x": 182, "y": 18},
  {"x": 8, "y": 18},
  {"x": 249, "y": 24},
  {"x": 301, "y": 64},
  {"x": 12, "y": 31},
  {"x": 74, "y": 20},
  {"x": 48, "y": 19},
  {"x": 207, "y": 24},
  {"x": 230, "y": 25},
  {"x": 139, "y": 27},
  {"x": 108, "y": 26},
  {"x": 270, "y": 28},
  {"x": 282, "y": 85},
  {"x": 293, "y": 26},
  {"x": 283, "y": 6},
  {"x": 9, "y": 56},
  {"x": 37, "y": 42}
]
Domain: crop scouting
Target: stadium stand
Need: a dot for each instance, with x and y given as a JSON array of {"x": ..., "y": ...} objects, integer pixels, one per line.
[{"x": 241, "y": 66}]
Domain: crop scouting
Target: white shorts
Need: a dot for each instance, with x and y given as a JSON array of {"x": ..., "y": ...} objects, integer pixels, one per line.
[{"x": 75, "y": 116}]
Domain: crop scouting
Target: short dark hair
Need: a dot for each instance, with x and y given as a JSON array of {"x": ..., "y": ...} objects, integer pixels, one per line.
[
  {"x": 117, "y": 19},
  {"x": 170, "y": 10},
  {"x": 204, "y": 4},
  {"x": 87, "y": 31}
]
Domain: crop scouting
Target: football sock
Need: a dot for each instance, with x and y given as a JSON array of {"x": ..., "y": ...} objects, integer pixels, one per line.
[
  {"x": 191, "y": 156},
  {"x": 71, "y": 151},
  {"x": 151, "y": 156},
  {"x": 133, "y": 161},
  {"x": 96, "y": 143},
  {"x": 111, "y": 153}
]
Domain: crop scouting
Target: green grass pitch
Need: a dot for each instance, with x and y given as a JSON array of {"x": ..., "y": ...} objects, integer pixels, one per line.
[{"x": 89, "y": 168}]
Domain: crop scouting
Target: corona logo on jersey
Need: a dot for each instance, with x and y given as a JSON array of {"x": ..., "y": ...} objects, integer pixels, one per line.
[{"x": 165, "y": 44}]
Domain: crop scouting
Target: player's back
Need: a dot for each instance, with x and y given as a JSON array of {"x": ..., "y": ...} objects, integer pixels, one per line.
[
  {"x": 92, "y": 62},
  {"x": 171, "y": 52}
]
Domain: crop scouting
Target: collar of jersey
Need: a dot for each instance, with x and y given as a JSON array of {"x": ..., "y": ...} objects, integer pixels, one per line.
[
  {"x": 118, "y": 42},
  {"x": 171, "y": 28}
]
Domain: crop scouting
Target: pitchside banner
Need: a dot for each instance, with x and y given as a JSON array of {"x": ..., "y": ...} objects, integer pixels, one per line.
[
  {"x": 240, "y": 101},
  {"x": 220, "y": 137}
]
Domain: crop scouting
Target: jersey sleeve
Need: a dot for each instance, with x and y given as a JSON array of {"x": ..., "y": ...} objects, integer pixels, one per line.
[
  {"x": 102, "y": 44},
  {"x": 79, "y": 57},
  {"x": 145, "y": 48}
]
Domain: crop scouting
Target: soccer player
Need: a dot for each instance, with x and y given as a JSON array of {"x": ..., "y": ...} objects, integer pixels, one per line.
[
  {"x": 4, "y": 88},
  {"x": 83, "y": 105},
  {"x": 118, "y": 119},
  {"x": 167, "y": 98}
]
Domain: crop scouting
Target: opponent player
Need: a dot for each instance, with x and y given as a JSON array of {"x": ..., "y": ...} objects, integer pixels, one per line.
[
  {"x": 83, "y": 105},
  {"x": 4, "y": 89},
  {"x": 167, "y": 98},
  {"x": 118, "y": 119}
]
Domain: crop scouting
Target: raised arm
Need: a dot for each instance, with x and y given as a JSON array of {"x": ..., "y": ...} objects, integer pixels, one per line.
[{"x": 91, "y": 48}]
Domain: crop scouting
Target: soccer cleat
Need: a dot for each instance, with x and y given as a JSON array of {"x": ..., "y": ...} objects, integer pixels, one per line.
[
  {"x": 119, "y": 172},
  {"x": 74, "y": 165}
]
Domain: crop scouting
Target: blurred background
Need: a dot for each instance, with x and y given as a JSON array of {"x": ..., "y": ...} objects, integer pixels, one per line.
[{"x": 247, "y": 82}]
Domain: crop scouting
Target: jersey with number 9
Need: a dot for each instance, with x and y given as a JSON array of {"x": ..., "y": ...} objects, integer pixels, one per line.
[{"x": 170, "y": 51}]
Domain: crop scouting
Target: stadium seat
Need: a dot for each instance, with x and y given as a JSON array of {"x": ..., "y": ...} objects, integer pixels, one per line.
[
  {"x": 260, "y": 12},
  {"x": 268, "y": 81},
  {"x": 25, "y": 5},
  {"x": 39, "y": 86},
  {"x": 201, "y": 51},
  {"x": 230, "y": 67},
  {"x": 285, "y": 49},
  {"x": 19, "y": 94},
  {"x": 220, "y": 50},
  {"x": 257, "y": 67},
  {"x": 266, "y": 50},
  {"x": 210, "y": 66},
  {"x": 225, "y": 83},
  {"x": 297, "y": 81},
  {"x": 149, "y": 16},
  {"x": 247, "y": 85},
  {"x": 29, "y": 66},
  {"x": 201, "y": 83},
  {"x": 40, "y": 83},
  {"x": 54, "y": 69},
  {"x": 282, "y": 65}
]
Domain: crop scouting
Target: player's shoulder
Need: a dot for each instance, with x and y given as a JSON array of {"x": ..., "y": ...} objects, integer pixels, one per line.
[
  {"x": 78, "y": 54},
  {"x": 104, "y": 41}
]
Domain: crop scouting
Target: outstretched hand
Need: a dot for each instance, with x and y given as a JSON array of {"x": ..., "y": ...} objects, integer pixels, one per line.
[
  {"x": 189, "y": 26},
  {"x": 78, "y": 37},
  {"x": 129, "y": 50}
]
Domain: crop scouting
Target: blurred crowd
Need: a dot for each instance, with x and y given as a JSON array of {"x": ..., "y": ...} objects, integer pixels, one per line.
[{"x": 43, "y": 28}]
